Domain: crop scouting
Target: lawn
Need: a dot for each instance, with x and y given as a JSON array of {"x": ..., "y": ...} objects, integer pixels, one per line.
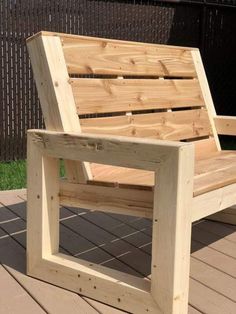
[{"x": 13, "y": 175}]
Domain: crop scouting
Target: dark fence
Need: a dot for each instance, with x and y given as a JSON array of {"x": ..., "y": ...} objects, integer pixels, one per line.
[{"x": 209, "y": 25}]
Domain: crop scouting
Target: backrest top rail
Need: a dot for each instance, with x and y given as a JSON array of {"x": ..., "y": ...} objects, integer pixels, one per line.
[{"x": 74, "y": 36}]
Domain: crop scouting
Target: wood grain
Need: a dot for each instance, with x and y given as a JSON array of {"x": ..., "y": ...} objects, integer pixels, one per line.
[
  {"x": 55, "y": 93},
  {"x": 89, "y": 55},
  {"x": 225, "y": 125},
  {"x": 175, "y": 125},
  {"x": 115, "y": 95}
]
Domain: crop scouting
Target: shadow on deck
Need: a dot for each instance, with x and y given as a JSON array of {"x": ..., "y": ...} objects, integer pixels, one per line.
[{"x": 116, "y": 241}]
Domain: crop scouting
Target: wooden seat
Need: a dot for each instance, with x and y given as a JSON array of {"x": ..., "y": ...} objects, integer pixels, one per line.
[
  {"x": 137, "y": 130},
  {"x": 213, "y": 172}
]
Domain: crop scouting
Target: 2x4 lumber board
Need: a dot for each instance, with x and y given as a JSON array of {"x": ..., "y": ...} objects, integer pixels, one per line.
[
  {"x": 203, "y": 205},
  {"x": 75, "y": 36},
  {"x": 206, "y": 93},
  {"x": 56, "y": 95},
  {"x": 214, "y": 173},
  {"x": 110, "y": 199},
  {"x": 113, "y": 150},
  {"x": 213, "y": 202},
  {"x": 115, "y": 95},
  {"x": 225, "y": 125},
  {"x": 112, "y": 287},
  {"x": 173, "y": 198},
  {"x": 14, "y": 298},
  {"x": 42, "y": 205},
  {"x": 90, "y": 55},
  {"x": 175, "y": 125}
]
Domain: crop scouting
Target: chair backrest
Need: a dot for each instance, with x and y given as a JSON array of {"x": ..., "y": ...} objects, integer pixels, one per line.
[{"x": 123, "y": 88}]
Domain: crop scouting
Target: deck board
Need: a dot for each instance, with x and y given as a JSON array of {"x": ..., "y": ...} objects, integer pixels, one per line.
[{"x": 120, "y": 242}]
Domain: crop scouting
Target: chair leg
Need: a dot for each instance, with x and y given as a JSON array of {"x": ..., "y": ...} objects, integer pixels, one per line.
[
  {"x": 172, "y": 234},
  {"x": 42, "y": 206}
]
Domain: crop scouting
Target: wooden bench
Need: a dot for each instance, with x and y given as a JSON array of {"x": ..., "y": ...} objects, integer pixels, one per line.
[{"x": 136, "y": 127}]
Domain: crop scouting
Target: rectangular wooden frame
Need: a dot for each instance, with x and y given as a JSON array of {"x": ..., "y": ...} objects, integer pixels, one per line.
[{"x": 173, "y": 161}]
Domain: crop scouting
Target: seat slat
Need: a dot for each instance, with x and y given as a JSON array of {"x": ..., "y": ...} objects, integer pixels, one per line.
[
  {"x": 114, "y": 95},
  {"x": 214, "y": 172},
  {"x": 176, "y": 125},
  {"x": 89, "y": 55}
]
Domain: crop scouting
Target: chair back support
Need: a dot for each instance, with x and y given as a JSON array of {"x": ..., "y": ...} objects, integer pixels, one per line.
[{"x": 123, "y": 88}]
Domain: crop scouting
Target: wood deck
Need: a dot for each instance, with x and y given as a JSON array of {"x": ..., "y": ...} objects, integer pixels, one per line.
[{"x": 120, "y": 242}]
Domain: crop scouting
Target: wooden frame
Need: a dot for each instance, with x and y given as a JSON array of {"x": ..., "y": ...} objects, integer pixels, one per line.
[
  {"x": 173, "y": 160},
  {"x": 170, "y": 203}
]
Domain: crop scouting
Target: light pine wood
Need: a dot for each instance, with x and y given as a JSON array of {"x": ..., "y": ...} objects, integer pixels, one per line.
[
  {"x": 213, "y": 202},
  {"x": 173, "y": 196},
  {"x": 55, "y": 95},
  {"x": 205, "y": 147},
  {"x": 114, "y": 95},
  {"x": 19, "y": 301},
  {"x": 211, "y": 173},
  {"x": 176, "y": 125},
  {"x": 89, "y": 55},
  {"x": 121, "y": 151},
  {"x": 206, "y": 93},
  {"x": 121, "y": 199},
  {"x": 101, "y": 283},
  {"x": 42, "y": 206},
  {"x": 225, "y": 125}
]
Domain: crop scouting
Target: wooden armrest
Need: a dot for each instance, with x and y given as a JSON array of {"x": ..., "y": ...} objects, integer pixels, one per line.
[
  {"x": 225, "y": 125},
  {"x": 120, "y": 151}
]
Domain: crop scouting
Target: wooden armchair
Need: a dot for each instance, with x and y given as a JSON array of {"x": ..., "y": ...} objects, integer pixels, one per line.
[{"x": 136, "y": 127}]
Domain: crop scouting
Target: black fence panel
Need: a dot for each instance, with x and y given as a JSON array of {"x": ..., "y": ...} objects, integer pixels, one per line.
[{"x": 209, "y": 25}]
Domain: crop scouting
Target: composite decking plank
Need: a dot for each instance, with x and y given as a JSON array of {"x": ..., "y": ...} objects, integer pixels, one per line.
[
  {"x": 124, "y": 229},
  {"x": 214, "y": 258},
  {"x": 213, "y": 278},
  {"x": 209, "y": 301},
  {"x": 222, "y": 230},
  {"x": 215, "y": 241},
  {"x": 93, "y": 253},
  {"x": 13, "y": 297},
  {"x": 52, "y": 298},
  {"x": 116, "y": 247},
  {"x": 121, "y": 230}
]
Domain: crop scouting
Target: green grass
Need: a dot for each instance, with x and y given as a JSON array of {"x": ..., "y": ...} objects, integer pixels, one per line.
[{"x": 13, "y": 174}]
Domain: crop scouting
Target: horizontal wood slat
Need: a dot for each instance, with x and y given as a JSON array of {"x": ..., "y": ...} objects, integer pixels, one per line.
[
  {"x": 114, "y": 95},
  {"x": 90, "y": 55},
  {"x": 211, "y": 173},
  {"x": 225, "y": 125},
  {"x": 176, "y": 125}
]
